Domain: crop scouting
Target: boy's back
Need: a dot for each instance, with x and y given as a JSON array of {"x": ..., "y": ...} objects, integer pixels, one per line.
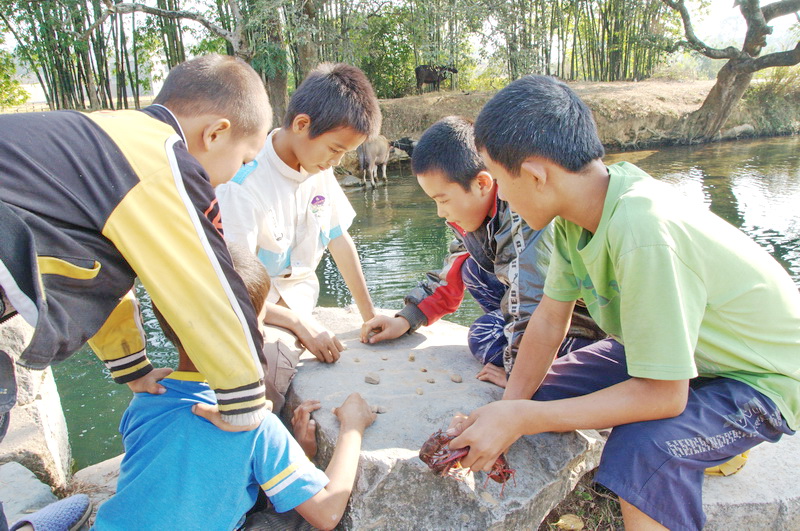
[{"x": 179, "y": 465}]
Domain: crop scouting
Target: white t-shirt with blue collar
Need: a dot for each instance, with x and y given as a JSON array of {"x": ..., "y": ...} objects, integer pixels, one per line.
[{"x": 286, "y": 217}]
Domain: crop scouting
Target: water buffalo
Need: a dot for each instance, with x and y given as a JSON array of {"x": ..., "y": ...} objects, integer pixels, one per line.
[
  {"x": 431, "y": 75},
  {"x": 406, "y": 144},
  {"x": 372, "y": 153}
]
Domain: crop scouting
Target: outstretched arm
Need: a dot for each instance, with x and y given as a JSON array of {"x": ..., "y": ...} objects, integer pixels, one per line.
[
  {"x": 346, "y": 257},
  {"x": 322, "y": 343},
  {"x": 491, "y": 429},
  {"x": 325, "y": 509}
]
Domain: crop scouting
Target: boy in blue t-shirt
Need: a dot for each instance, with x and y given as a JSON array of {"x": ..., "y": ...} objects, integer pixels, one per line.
[
  {"x": 710, "y": 322},
  {"x": 181, "y": 472}
]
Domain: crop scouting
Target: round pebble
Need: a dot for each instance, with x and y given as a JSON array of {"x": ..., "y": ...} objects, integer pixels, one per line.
[
  {"x": 456, "y": 378},
  {"x": 372, "y": 378},
  {"x": 431, "y": 380},
  {"x": 411, "y": 357}
]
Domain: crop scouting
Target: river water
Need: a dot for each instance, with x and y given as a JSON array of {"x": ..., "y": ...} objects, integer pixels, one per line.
[{"x": 755, "y": 185}]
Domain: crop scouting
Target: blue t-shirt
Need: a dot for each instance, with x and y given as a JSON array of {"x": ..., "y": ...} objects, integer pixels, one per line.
[{"x": 182, "y": 472}]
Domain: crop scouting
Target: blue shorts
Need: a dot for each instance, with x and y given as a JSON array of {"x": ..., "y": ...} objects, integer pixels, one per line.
[{"x": 657, "y": 466}]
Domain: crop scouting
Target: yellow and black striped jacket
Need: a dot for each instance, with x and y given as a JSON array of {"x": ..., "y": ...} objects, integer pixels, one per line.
[{"x": 88, "y": 202}]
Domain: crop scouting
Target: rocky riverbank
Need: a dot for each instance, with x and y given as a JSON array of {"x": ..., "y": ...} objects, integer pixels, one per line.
[{"x": 629, "y": 115}]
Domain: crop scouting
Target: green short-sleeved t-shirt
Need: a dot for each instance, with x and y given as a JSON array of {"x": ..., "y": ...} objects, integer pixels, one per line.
[{"x": 685, "y": 292}]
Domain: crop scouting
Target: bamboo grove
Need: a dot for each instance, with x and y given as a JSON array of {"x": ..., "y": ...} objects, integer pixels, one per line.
[{"x": 90, "y": 54}]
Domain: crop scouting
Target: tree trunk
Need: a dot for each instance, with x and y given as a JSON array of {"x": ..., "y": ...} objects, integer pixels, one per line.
[
  {"x": 703, "y": 124},
  {"x": 307, "y": 52}
]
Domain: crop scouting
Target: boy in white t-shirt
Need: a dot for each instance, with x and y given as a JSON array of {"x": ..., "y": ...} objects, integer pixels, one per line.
[{"x": 287, "y": 207}]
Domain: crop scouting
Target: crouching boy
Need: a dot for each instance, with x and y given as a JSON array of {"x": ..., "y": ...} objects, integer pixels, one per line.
[
  {"x": 180, "y": 472},
  {"x": 495, "y": 255},
  {"x": 709, "y": 320},
  {"x": 288, "y": 208}
]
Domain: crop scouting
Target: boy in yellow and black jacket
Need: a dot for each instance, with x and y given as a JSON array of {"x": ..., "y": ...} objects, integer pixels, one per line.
[{"x": 89, "y": 202}]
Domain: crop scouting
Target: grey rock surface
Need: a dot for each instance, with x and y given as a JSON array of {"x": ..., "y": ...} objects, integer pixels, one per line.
[
  {"x": 99, "y": 481},
  {"x": 394, "y": 489},
  {"x": 21, "y": 492},
  {"x": 764, "y": 495},
  {"x": 37, "y": 435}
]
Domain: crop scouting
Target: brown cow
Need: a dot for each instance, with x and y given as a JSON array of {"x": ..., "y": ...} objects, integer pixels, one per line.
[
  {"x": 372, "y": 153},
  {"x": 431, "y": 75}
]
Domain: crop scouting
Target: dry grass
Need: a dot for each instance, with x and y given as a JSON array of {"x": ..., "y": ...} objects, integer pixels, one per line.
[{"x": 596, "y": 508}]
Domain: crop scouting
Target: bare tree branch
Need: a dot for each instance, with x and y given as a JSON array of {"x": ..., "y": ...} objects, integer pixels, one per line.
[
  {"x": 123, "y": 8},
  {"x": 787, "y": 58},
  {"x": 757, "y": 30},
  {"x": 778, "y": 9},
  {"x": 694, "y": 42}
]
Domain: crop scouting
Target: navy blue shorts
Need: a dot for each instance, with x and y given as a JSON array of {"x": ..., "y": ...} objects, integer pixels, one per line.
[
  {"x": 657, "y": 466},
  {"x": 486, "y": 337}
]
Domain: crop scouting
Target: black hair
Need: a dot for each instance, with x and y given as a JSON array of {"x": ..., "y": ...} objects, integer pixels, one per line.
[
  {"x": 448, "y": 146},
  {"x": 336, "y": 95},
  {"x": 218, "y": 84},
  {"x": 253, "y": 274},
  {"x": 538, "y": 116}
]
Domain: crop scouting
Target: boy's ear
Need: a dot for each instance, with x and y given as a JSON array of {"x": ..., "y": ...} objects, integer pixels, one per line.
[
  {"x": 485, "y": 181},
  {"x": 301, "y": 123},
  {"x": 216, "y": 130},
  {"x": 534, "y": 170}
]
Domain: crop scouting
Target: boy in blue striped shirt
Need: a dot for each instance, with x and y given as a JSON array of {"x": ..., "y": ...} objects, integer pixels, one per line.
[{"x": 181, "y": 472}]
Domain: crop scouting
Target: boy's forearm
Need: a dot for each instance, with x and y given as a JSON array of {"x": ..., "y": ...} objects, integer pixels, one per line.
[
  {"x": 634, "y": 400},
  {"x": 542, "y": 338},
  {"x": 347, "y": 261},
  {"x": 341, "y": 473},
  {"x": 278, "y": 315}
]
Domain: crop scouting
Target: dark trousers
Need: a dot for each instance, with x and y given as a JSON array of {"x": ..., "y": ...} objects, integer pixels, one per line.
[{"x": 657, "y": 466}]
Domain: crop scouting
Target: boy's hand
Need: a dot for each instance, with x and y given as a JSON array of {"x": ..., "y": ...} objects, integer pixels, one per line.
[
  {"x": 383, "y": 327},
  {"x": 212, "y": 414},
  {"x": 149, "y": 382},
  {"x": 493, "y": 374},
  {"x": 355, "y": 413},
  {"x": 319, "y": 341},
  {"x": 488, "y": 431},
  {"x": 304, "y": 428}
]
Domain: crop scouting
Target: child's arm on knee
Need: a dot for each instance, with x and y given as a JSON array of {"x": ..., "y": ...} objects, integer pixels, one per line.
[
  {"x": 344, "y": 253},
  {"x": 325, "y": 509},
  {"x": 537, "y": 350}
]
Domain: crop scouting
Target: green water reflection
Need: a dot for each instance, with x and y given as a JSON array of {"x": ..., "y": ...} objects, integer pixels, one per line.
[{"x": 755, "y": 185}]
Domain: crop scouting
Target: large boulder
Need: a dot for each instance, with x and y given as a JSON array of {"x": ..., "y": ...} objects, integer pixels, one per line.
[
  {"x": 423, "y": 379},
  {"x": 37, "y": 435}
]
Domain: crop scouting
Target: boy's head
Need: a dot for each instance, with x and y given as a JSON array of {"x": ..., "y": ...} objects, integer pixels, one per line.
[
  {"x": 332, "y": 112},
  {"x": 256, "y": 280},
  {"x": 452, "y": 173},
  {"x": 536, "y": 127},
  {"x": 222, "y": 106}
]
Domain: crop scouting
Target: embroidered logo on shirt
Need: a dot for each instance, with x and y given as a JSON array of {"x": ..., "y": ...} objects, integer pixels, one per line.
[{"x": 317, "y": 204}]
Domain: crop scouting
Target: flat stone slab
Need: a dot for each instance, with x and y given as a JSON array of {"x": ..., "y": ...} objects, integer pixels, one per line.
[
  {"x": 394, "y": 489},
  {"x": 21, "y": 492},
  {"x": 764, "y": 495}
]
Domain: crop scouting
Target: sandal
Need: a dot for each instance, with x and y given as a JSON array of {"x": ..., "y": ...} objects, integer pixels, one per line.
[{"x": 729, "y": 468}]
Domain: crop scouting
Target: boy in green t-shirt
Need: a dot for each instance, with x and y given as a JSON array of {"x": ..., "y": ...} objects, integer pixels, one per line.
[{"x": 710, "y": 322}]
